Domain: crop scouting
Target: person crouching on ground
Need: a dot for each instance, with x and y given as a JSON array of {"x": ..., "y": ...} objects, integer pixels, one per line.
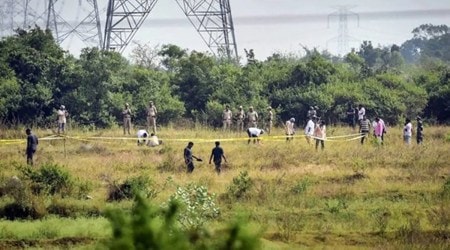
[
  {"x": 154, "y": 141},
  {"x": 142, "y": 136},
  {"x": 217, "y": 154},
  {"x": 254, "y": 133}
]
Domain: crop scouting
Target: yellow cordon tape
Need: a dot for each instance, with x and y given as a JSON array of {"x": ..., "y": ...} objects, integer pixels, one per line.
[{"x": 106, "y": 138}]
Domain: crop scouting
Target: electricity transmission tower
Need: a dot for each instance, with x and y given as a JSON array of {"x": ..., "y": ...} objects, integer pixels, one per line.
[
  {"x": 84, "y": 18},
  {"x": 343, "y": 39},
  {"x": 211, "y": 18}
]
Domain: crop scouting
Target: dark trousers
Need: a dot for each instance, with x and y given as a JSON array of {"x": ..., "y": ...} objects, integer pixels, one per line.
[
  {"x": 322, "y": 142},
  {"x": 190, "y": 167},
  {"x": 30, "y": 153},
  {"x": 218, "y": 167},
  {"x": 365, "y": 134}
]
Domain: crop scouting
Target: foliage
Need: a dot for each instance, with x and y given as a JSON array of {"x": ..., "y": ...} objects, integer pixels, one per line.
[
  {"x": 49, "y": 179},
  {"x": 148, "y": 227},
  {"x": 130, "y": 188},
  {"x": 240, "y": 185},
  {"x": 197, "y": 206}
]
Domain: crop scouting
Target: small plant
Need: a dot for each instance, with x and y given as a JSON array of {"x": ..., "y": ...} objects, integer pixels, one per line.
[
  {"x": 197, "y": 206},
  {"x": 49, "y": 179},
  {"x": 381, "y": 218},
  {"x": 301, "y": 186},
  {"x": 129, "y": 188},
  {"x": 334, "y": 206},
  {"x": 240, "y": 185},
  {"x": 288, "y": 223}
]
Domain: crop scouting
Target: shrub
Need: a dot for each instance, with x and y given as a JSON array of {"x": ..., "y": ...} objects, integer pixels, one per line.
[
  {"x": 301, "y": 186},
  {"x": 49, "y": 179},
  {"x": 197, "y": 206},
  {"x": 149, "y": 227},
  {"x": 240, "y": 185},
  {"x": 73, "y": 209},
  {"x": 129, "y": 188}
]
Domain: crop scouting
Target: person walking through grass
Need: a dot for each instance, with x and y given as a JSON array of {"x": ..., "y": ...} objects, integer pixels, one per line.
[
  {"x": 189, "y": 157},
  {"x": 320, "y": 134},
  {"x": 290, "y": 129},
  {"x": 309, "y": 129},
  {"x": 217, "y": 154},
  {"x": 364, "y": 127},
  {"x": 407, "y": 131},
  {"x": 32, "y": 142}
]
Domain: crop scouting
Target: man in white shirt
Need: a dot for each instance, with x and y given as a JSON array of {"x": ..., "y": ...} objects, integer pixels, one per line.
[
  {"x": 153, "y": 141},
  {"x": 309, "y": 129},
  {"x": 290, "y": 129},
  {"x": 407, "y": 131},
  {"x": 142, "y": 136},
  {"x": 62, "y": 119},
  {"x": 254, "y": 133},
  {"x": 361, "y": 112}
]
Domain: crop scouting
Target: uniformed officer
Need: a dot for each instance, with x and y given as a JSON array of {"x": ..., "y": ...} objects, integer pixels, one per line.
[
  {"x": 252, "y": 117},
  {"x": 151, "y": 116},
  {"x": 126, "y": 113},
  {"x": 226, "y": 117}
]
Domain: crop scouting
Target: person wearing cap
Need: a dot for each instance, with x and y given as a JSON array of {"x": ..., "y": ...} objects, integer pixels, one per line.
[
  {"x": 32, "y": 142},
  {"x": 269, "y": 120},
  {"x": 252, "y": 117},
  {"x": 290, "y": 129},
  {"x": 240, "y": 119},
  {"x": 254, "y": 132},
  {"x": 62, "y": 119},
  {"x": 419, "y": 132},
  {"x": 309, "y": 129},
  {"x": 226, "y": 118},
  {"x": 126, "y": 113},
  {"x": 151, "y": 116},
  {"x": 320, "y": 134}
]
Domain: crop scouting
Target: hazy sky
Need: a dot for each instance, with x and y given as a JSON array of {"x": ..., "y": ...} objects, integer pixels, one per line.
[{"x": 269, "y": 26}]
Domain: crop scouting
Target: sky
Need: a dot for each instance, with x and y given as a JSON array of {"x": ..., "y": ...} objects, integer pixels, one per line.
[{"x": 286, "y": 26}]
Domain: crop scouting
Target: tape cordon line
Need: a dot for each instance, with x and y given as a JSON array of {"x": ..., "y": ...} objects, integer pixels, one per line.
[{"x": 338, "y": 138}]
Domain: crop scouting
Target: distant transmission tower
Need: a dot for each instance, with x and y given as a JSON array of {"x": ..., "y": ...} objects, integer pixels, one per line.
[
  {"x": 81, "y": 20},
  {"x": 343, "y": 38},
  {"x": 211, "y": 18}
]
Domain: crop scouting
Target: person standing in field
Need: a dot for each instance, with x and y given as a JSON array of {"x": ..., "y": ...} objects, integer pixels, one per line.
[
  {"x": 32, "y": 143},
  {"x": 217, "y": 154},
  {"x": 378, "y": 130},
  {"x": 240, "y": 116},
  {"x": 320, "y": 134},
  {"x": 384, "y": 129},
  {"x": 364, "y": 128},
  {"x": 151, "y": 116},
  {"x": 126, "y": 113},
  {"x": 309, "y": 129},
  {"x": 189, "y": 157},
  {"x": 311, "y": 112},
  {"x": 290, "y": 129},
  {"x": 361, "y": 112},
  {"x": 62, "y": 119},
  {"x": 252, "y": 117},
  {"x": 269, "y": 120},
  {"x": 351, "y": 116},
  {"x": 254, "y": 133},
  {"x": 226, "y": 118},
  {"x": 419, "y": 132},
  {"x": 407, "y": 131}
]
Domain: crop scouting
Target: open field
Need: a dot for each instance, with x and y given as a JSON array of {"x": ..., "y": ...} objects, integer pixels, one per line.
[{"x": 347, "y": 197}]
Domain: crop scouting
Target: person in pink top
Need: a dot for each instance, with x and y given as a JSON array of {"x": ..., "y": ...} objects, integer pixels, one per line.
[{"x": 379, "y": 130}]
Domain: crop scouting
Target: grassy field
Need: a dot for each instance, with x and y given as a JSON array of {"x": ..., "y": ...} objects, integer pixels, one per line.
[{"x": 347, "y": 196}]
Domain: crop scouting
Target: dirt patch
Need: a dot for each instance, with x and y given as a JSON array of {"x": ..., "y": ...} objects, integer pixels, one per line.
[{"x": 61, "y": 243}]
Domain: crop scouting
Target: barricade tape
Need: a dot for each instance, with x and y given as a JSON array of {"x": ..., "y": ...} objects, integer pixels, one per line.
[{"x": 108, "y": 138}]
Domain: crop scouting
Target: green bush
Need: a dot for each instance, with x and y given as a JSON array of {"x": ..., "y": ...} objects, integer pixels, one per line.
[
  {"x": 197, "y": 206},
  {"x": 129, "y": 188},
  {"x": 240, "y": 185},
  {"x": 150, "y": 227},
  {"x": 49, "y": 179}
]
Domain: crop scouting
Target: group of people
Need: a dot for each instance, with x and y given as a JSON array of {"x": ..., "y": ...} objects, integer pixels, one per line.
[
  {"x": 241, "y": 118},
  {"x": 151, "y": 118}
]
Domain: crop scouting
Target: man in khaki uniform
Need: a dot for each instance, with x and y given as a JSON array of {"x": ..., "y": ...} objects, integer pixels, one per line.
[
  {"x": 151, "y": 117},
  {"x": 226, "y": 117},
  {"x": 269, "y": 119},
  {"x": 240, "y": 119},
  {"x": 126, "y": 113},
  {"x": 62, "y": 119},
  {"x": 252, "y": 117}
]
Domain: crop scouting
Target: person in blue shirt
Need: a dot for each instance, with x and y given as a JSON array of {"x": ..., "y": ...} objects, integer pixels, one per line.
[{"x": 217, "y": 154}]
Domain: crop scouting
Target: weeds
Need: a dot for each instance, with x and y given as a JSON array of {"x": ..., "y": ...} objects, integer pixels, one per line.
[
  {"x": 240, "y": 185},
  {"x": 381, "y": 217},
  {"x": 129, "y": 188}
]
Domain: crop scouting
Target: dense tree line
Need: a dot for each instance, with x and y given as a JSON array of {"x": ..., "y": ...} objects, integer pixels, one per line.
[{"x": 36, "y": 76}]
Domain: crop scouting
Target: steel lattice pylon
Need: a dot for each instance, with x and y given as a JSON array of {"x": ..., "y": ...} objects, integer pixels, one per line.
[
  {"x": 211, "y": 18},
  {"x": 123, "y": 19},
  {"x": 48, "y": 14}
]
